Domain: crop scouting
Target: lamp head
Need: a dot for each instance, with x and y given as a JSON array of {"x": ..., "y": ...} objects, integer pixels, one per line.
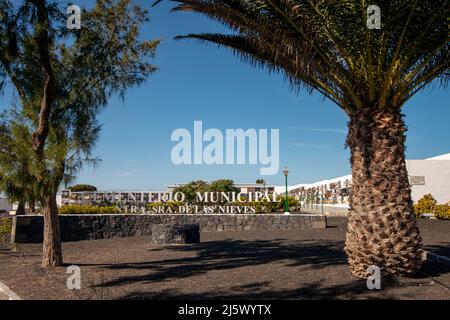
[{"x": 286, "y": 171}]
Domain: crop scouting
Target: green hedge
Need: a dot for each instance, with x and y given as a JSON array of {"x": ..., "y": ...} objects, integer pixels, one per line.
[
  {"x": 266, "y": 206},
  {"x": 88, "y": 209},
  {"x": 171, "y": 204},
  {"x": 5, "y": 229},
  {"x": 260, "y": 206}
]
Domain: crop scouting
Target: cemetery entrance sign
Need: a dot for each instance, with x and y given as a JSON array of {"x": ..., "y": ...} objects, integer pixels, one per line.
[{"x": 173, "y": 202}]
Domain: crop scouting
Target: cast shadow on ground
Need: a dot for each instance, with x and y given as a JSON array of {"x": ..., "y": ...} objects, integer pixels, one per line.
[
  {"x": 310, "y": 291},
  {"x": 442, "y": 249},
  {"x": 231, "y": 253}
]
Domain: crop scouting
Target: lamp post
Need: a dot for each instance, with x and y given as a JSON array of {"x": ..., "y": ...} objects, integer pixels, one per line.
[{"x": 286, "y": 200}]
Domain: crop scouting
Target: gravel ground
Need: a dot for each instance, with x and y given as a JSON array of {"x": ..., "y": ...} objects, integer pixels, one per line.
[{"x": 225, "y": 265}]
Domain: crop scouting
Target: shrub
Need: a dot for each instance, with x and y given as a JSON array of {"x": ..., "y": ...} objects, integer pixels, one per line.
[
  {"x": 292, "y": 202},
  {"x": 442, "y": 211},
  {"x": 425, "y": 205},
  {"x": 5, "y": 229},
  {"x": 88, "y": 209},
  {"x": 260, "y": 206},
  {"x": 263, "y": 206},
  {"x": 82, "y": 187}
]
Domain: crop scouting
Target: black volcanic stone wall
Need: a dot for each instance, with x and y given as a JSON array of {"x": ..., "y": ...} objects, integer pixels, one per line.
[
  {"x": 175, "y": 233},
  {"x": 29, "y": 229}
]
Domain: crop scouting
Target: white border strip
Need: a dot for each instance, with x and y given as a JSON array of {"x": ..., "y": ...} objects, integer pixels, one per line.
[{"x": 5, "y": 290}]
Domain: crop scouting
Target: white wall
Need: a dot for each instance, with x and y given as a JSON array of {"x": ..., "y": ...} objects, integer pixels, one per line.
[
  {"x": 435, "y": 172},
  {"x": 5, "y": 204},
  {"x": 59, "y": 200},
  {"x": 437, "y": 179}
]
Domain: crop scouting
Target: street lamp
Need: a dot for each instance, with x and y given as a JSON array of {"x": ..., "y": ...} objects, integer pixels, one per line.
[{"x": 286, "y": 200}]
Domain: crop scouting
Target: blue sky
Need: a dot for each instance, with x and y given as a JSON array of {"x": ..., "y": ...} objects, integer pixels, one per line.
[{"x": 202, "y": 82}]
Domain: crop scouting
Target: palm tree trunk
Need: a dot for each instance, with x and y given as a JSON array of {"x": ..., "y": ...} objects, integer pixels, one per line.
[
  {"x": 382, "y": 228},
  {"x": 52, "y": 253}
]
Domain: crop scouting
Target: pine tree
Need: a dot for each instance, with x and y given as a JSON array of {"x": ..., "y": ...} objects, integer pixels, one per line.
[{"x": 63, "y": 79}]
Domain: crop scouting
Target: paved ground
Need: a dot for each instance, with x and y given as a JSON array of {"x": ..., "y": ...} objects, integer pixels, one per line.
[{"x": 242, "y": 265}]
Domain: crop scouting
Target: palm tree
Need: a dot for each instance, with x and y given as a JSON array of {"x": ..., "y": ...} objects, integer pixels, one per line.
[{"x": 327, "y": 46}]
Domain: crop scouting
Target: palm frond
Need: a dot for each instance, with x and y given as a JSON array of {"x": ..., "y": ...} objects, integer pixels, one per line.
[{"x": 325, "y": 44}]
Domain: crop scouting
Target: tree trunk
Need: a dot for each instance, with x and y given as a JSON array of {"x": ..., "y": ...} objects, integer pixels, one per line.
[
  {"x": 20, "y": 208},
  {"x": 382, "y": 229},
  {"x": 52, "y": 253},
  {"x": 31, "y": 207}
]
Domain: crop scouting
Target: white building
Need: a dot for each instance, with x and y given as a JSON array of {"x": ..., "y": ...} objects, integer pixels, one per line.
[
  {"x": 241, "y": 187},
  {"x": 430, "y": 175}
]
